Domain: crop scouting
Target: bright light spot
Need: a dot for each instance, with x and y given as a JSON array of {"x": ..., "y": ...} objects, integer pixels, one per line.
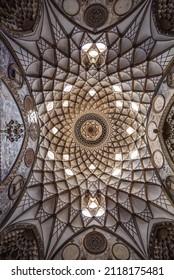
[
  {"x": 118, "y": 157},
  {"x": 67, "y": 88},
  {"x": 100, "y": 212},
  {"x": 65, "y": 103},
  {"x": 116, "y": 172},
  {"x": 86, "y": 213},
  {"x": 119, "y": 103},
  {"x": 134, "y": 106},
  {"x": 93, "y": 53},
  {"x": 54, "y": 130},
  {"x": 101, "y": 47},
  {"x": 49, "y": 106},
  {"x": 65, "y": 157},
  {"x": 86, "y": 47},
  {"x": 92, "y": 167},
  {"x": 92, "y": 92},
  {"x": 116, "y": 88},
  {"x": 93, "y": 205},
  {"x": 50, "y": 155},
  {"x": 134, "y": 154},
  {"x": 130, "y": 130},
  {"x": 69, "y": 172}
]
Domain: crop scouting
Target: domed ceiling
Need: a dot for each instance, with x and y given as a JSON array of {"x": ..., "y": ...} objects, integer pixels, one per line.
[{"x": 91, "y": 76}]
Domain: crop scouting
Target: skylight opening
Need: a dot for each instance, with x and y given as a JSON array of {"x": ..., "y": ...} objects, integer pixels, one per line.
[
  {"x": 50, "y": 106},
  {"x": 117, "y": 88},
  {"x": 93, "y": 53},
  {"x": 93, "y": 204},
  {"x": 54, "y": 130},
  {"x": 86, "y": 47},
  {"x": 69, "y": 172},
  {"x": 100, "y": 212},
  {"x": 116, "y": 172},
  {"x": 65, "y": 157},
  {"x": 119, "y": 103},
  {"x": 92, "y": 91},
  {"x": 101, "y": 47},
  {"x": 86, "y": 213},
  {"x": 65, "y": 103},
  {"x": 51, "y": 155},
  {"x": 118, "y": 157},
  {"x": 135, "y": 106},
  {"x": 130, "y": 130},
  {"x": 67, "y": 88},
  {"x": 92, "y": 167},
  {"x": 134, "y": 154}
]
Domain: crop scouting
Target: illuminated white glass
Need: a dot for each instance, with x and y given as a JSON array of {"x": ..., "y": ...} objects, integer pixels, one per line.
[
  {"x": 92, "y": 167},
  {"x": 134, "y": 106},
  {"x": 101, "y": 47},
  {"x": 119, "y": 103},
  {"x": 65, "y": 157},
  {"x": 117, "y": 88},
  {"x": 67, "y": 88},
  {"x": 69, "y": 172},
  {"x": 50, "y": 106},
  {"x": 130, "y": 130},
  {"x": 86, "y": 47},
  {"x": 65, "y": 103},
  {"x": 93, "y": 53},
  {"x": 86, "y": 213},
  {"x": 93, "y": 205},
  {"x": 54, "y": 130},
  {"x": 100, "y": 212},
  {"x": 116, "y": 172},
  {"x": 118, "y": 157},
  {"x": 92, "y": 92},
  {"x": 134, "y": 154},
  {"x": 50, "y": 155}
]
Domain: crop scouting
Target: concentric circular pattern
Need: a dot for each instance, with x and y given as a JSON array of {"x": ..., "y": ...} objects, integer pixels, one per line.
[
  {"x": 96, "y": 15},
  {"x": 95, "y": 242},
  {"x": 123, "y": 79},
  {"x": 91, "y": 130},
  {"x": 121, "y": 168},
  {"x": 92, "y": 138}
]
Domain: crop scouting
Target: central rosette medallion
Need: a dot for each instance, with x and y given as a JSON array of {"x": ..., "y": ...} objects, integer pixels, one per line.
[{"x": 91, "y": 129}]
